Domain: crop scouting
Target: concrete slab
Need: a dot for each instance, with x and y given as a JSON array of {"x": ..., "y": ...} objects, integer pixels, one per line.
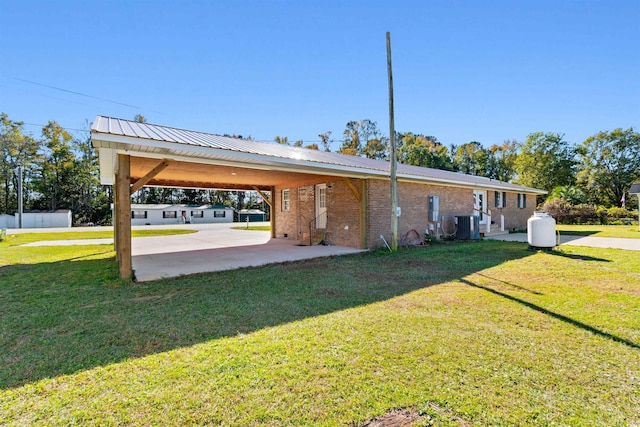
[
  {"x": 596, "y": 242},
  {"x": 164, "y": 264}
]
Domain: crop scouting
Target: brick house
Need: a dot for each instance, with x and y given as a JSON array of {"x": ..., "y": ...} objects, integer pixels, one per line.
[
  {"x": 357, "y": 211},
  {"x": 344, "y": 199}
]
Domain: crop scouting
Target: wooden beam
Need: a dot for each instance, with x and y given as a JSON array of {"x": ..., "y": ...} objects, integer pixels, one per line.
[
  {"x": 267, "y": 201},
  {"x": 352, "y": 187},
  {"x": 149, "y": 176},
  {"x": 123, "y": 216},
  {"x": 272, "y": 213}
]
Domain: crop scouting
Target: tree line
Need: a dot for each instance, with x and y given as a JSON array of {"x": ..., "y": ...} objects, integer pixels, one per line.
[
  {"x": 598, "y": 171},
  {"x": 60, "y": 171}
]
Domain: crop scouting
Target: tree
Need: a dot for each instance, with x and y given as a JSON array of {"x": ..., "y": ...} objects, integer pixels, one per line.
[
  {"x": 570, "y": 194},
  {"x": 326, "y": 141},
  {"x": 501, "y": 161},
  {"x": 282, "y": 140},
  {"x": 421, "y": 150},
  {"x": 377, "y": 148},
  {"x": 16, "y": 149},
  {"x": 139, "y": 118},
  {"x": 545, "y": 161},
  {"x": 89, "y": 201},
  {"x": 609, "y": 162},
  {"x": 57, "y": 170},
  {"x": 470, "y": 158},
  {"x": 357, "y": 136}
]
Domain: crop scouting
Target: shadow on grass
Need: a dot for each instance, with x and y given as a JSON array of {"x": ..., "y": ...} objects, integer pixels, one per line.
[
  {"x": 73, "y": 315},
  {"x": 558, "y": 316},
  {"x": 579, "y": 233},
  {"x": 577, "y": 256}
]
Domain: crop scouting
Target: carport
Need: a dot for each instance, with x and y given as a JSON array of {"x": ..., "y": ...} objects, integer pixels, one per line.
[{"x": 133, "y": 155}]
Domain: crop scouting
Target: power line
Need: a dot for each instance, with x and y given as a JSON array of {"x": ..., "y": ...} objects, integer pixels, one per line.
[
  {"x": 75, "y": 93},
  {"x": 42, "y": 126}
]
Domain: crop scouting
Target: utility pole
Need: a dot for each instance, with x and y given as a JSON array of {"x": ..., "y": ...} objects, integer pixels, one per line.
[
  {"x": 20, "y": 208},
  {"x": 395, "y": 209}
]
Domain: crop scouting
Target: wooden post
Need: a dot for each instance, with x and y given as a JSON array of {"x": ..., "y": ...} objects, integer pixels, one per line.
[
  {"x": 392, "y": 141},
  {"x": 122, "y": 222},
  {"x": 272, "y": 216},
  {"x": 114, "y": 220}
]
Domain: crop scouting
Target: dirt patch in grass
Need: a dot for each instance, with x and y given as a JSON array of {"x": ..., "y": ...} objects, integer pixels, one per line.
[
  {"x": 395, "y": 418},
  {"x": 433, "y": 414}
]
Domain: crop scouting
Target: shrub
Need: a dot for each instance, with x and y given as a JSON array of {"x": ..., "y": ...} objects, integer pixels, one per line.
[
  {"x": 617, "y": 215},
  {"x": 565, "y": 213},
  {"x": 558, "y": 209}
]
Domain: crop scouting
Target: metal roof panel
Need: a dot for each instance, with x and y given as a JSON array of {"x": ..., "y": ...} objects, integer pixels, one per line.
[{"x": 271, "y": 153}]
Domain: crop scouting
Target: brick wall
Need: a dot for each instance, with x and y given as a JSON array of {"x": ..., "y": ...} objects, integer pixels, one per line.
[
  {"x": 343, "y": 214},
  {"x": 294, "y": 222},
  {"x": 343, "y": 210},
  {"x": 413, "y": 199},
  {"x": 514, "y": 217}
]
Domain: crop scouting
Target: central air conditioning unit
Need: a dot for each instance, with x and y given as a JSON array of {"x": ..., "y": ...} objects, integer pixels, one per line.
[{"x": 468, "y": 227}]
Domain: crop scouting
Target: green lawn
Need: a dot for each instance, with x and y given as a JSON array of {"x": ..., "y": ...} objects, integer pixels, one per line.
[
  {"x": 21, "y": 239},
  {"x": 489, "y": 333},
  {"x": 624, "y": 231}
]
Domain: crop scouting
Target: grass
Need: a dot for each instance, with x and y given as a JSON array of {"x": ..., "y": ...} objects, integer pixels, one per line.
[
  {"x": 624, "y": 231},
  {"x": 253, "y": 227},
  {"x": 21, "y": 239},
  {"x": 489, "y": 333}
]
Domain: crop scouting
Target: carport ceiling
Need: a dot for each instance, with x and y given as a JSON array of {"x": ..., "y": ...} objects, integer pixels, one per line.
[{"x": 200, "y": 175}]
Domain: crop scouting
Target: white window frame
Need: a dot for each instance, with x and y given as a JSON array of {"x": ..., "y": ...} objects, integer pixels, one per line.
[
  {"x": 286, "y": 201},
  {"x": 522, "y": 201},
  {"x": 138, "y": 214}
]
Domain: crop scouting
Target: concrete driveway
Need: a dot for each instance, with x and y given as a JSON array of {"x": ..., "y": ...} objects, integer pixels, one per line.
[
  {"x": 217, "y": 247},
  {"x": 596, "y": 242}
]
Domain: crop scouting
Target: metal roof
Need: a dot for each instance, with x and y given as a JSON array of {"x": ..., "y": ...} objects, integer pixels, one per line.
[
  {"x": 635, "y": 188},
  {"x": 130, "y": 136},
  {"x": 163, "y": 206}
]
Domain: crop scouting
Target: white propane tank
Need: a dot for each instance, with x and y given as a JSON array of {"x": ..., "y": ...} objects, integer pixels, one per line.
[{"x": 541, "y": 230}]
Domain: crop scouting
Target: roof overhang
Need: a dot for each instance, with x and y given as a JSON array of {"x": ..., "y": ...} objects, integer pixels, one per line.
[{"x": 206, "y": 166}]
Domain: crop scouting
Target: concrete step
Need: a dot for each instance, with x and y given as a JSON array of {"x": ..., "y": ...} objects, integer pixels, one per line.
[{"x": 493, "y": 232}]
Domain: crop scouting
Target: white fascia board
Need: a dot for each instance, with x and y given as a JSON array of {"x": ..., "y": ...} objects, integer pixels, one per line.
[
  {"x": 465, "y": 184},
  {"x": 107, "y": 161}
]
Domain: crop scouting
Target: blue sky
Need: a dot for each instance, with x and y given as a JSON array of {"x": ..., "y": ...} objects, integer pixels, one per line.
[{"x": 463, "y": 71}]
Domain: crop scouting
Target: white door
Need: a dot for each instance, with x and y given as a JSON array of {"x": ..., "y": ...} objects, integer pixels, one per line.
[
  {"x": 321, "y": 206},
  {"x": 480, "y": 205}
]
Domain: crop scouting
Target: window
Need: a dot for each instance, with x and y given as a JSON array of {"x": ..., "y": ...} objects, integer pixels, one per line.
[
  {"x": 197, "y": 214},
  {"x": 285, "y": 200},
  {"x": 500, "y": 199},
  {"x": 522, "y": 201},
  {"x": 219, "y": 214},
  {"x": 170, "y": 214},
  {"x": 138, "y": 214}
]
